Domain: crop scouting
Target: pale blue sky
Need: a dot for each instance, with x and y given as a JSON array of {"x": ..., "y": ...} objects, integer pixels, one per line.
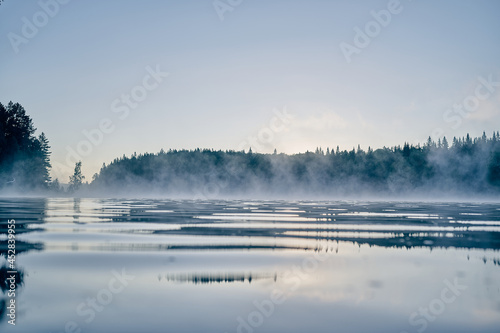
[{"x": 226, "y": 77}]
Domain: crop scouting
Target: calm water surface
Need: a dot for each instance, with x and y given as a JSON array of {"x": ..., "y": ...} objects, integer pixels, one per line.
[{"x": 108, "y": 265}]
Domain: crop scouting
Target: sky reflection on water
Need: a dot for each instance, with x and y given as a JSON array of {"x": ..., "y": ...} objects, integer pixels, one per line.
[{"x": 239, "y": 266}]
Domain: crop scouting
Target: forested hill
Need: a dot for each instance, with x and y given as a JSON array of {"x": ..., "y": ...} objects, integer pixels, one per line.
[{"x": 466, "y": 165}]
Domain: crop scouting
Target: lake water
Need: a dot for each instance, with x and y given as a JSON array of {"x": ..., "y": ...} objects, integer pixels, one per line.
[{"x": 108, "y": 265}]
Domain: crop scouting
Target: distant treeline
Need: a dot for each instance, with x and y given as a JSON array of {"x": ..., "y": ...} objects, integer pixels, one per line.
[
  {"x": 467, "y": 165},
  {"x": 24, "y": 158}
]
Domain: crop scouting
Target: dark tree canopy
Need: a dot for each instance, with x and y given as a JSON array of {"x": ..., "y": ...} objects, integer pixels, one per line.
[{"x": 24, "y": 158}]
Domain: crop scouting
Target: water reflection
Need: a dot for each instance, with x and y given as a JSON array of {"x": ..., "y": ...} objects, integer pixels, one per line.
[
  {"x": 378, "y": 224},
  {"x": 379, "y": 261},
  {"x": 28, "y": 214},
  {"x": 5, "y": 287},
  {"x": 208, "y": 277}
]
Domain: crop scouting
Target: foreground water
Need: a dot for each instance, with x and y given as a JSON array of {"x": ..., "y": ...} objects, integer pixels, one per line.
[{"x": 94, "y": 265}]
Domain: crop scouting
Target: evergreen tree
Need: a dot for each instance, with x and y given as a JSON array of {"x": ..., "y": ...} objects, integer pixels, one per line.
[
  {"x": 43, "y": 160},
  {"x": 55, "y": 186},
  {"x": 445, "y": 143},
  {"x": 76, "y": 180},
  {"x": 24, "y": 159}
]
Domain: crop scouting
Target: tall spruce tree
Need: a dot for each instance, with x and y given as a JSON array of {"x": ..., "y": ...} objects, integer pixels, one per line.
[{"x": 24, "y": 158}]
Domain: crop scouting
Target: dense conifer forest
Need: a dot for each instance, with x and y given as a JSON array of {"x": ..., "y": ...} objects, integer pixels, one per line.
[{"x": 465, "y": 165}]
